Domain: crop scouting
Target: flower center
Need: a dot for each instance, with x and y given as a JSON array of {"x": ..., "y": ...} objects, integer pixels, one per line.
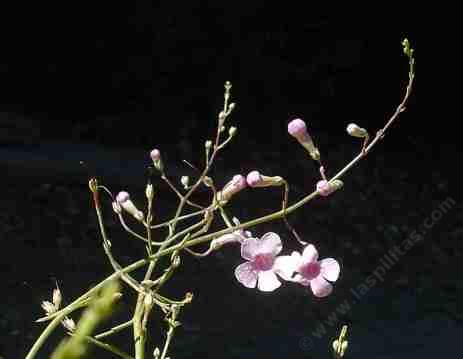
[
  {"x": 263, "y": 261},
  {"x": 310, "y": 270}
]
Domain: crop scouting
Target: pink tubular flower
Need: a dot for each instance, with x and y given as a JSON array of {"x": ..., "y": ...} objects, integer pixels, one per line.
[
  {"x": 263, "y": 263},
  {"x": 310, "y": 271}
]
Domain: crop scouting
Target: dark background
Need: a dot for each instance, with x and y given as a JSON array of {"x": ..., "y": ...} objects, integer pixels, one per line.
[{"x": 105, "y": 85}]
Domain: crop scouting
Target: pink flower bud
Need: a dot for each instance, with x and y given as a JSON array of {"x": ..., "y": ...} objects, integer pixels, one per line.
[
  {"x": 325, "y": 188},
  {"x": 155, "y": 155},
  {"x": 237, "y": 183},
  {"x": 298, "y": 129},
  {"x": 254, "y": 179},
  {"x": 123, "y": 198}
]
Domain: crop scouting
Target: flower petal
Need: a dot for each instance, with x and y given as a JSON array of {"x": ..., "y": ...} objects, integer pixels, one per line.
[
  {"x": 267, "y": 281},
  {"x": 285, "y": 266},
  {"x": 329, "y": 269},
  {"x": 301, "y": 280},
  {"x": 310, "y": 254},
  {"x": 320, "y": 287},
  {"x": 249, "y": 248},
  {"x": 246, "y": 275},
  {"x": 270, "y": 243}
]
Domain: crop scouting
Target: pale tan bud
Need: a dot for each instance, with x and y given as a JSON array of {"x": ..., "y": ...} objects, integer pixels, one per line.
[
  {"x": 185, "y": 180},
  {"x": 356, "y": 131},
  {"x": 232, "y": 131},
  {"x": 117, "y": 207},
  {"x": 69, "y": 324},
  {"x": 57, "y": 298},
  {"x": 149, "y": 191}
]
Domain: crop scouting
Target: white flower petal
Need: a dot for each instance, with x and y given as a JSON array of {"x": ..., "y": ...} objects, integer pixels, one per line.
[
  {"x": 267, "y": 281},
  {"x": 285, "y": 266},
  {"x": 270, "y": 243},
  {"x": 320, "y": 287},
  {"x": 329, "y": 269},
  {"x": 246, "y": 275}
]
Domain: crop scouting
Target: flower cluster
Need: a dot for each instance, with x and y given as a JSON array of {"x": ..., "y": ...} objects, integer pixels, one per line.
[{"x": 263, "y": 266}]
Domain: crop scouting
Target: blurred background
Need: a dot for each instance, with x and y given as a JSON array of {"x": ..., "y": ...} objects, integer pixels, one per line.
[{"x": 105, "y": 85}]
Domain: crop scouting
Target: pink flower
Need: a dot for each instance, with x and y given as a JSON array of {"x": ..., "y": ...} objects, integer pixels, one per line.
[
  {"x": 263, "y": 263},
  {"x": 310, "y": 271}
]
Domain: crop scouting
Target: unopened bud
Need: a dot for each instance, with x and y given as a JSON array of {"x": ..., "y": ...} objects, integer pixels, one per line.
[
  {"x": 93, "y": 184},
  {"x": 117, "y": 207},
  {"x": 69, "y": 324},
  {"x": 298, "y": 129},
  {"x": 185, "y": 180},
  {"x": 255, "y": 179},
  {"x": 325, "y": 188},
  {"x": 155, "y": 155},
  {"x": 237, "y": 183},
  {"x": 156, "y": 353},
  {"x": 57, "y": 298},
  {"x": 231, "y": 131},
  {"x": 208, "y": 144},
  {"x": 123, "y": 198},
  {"x": 149, "y": 191},
  {"x": 356, "y": 131},
  {"x": 48, "y": 307}
]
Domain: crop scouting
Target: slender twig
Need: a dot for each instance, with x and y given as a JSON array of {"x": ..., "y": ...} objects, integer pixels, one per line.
[{"x": 114, "y": 330}]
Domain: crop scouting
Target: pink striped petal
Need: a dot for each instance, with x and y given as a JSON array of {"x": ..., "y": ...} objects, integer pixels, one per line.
[
  {"x": 320, "y": 287},
  {"x": 249, "y": 248},
  {"x": 310, "y": 254},
  {"x": 246, "y": 275},
  {"x": 329, "y": 269},
  {"x": 267, "y": 281}
]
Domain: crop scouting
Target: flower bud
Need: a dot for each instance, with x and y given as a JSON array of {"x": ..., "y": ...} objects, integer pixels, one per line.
[
  {"x": 155, "y": 155},
  {"x": 156, "y": 353},
  {"x": 69, "y": 324},
  {"x": 325, "y": 188},
  {"x": 298, "y": 129},
  {"x": 57, "y": 298},
  {"x": 356, "y": 131},
  {"x": 149, "y": 191},
  {"x": 255, "y": 179},
  {"x": 185, "y": 180},
  {"x": 208, "y": 144},
  {"x": 123, "y": 198},
  {"x": 237, "y": 183},
  {"x": 231, "y": 131},
  {"x": 117, "y": 207}
]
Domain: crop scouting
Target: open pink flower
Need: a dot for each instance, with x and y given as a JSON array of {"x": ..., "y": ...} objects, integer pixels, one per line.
[
  {"x": 310, "y": 271},
  {"x": 263, "y": 263}
]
